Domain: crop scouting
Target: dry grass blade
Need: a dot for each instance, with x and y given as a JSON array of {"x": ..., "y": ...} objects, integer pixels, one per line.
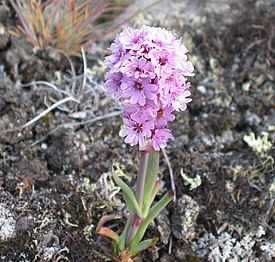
[{"x": 45, "y": 112}]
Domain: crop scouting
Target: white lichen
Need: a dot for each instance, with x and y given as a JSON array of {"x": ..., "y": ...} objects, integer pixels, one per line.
[
  {"x": 7, "y": 223},
  {"x": 225, "y": 247},
  {"x": 259, "y": 145},
  {"x": 193, "y": 182}
]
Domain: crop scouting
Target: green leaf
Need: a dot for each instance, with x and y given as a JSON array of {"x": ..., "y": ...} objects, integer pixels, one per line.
[
  {"x": 141, "y": 246},
  {"x": 153, "y": 212},
  {"x": 155, "y": 191},
  {"x": 123, "y": 236},
  {"x": 129, "y": 196},
  {"x": 151, "y": 177}
]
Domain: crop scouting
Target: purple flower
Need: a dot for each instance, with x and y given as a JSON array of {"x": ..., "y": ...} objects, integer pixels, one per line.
[
  {"x": 118, "y": 56},
  {"x": 139, "y": 90},
  {"x": 163, "y": 61},
  {"x": 170, "y": 88},
  {"x": 148, "y": 71},
  {"x": 160, "y": 138},
  {"x": 137, "y": 112},
  {"x": 136, "y": 132},
  {"x": 133, "y": 39},
  {"x": 138, "y": 68},
  {"x": 181, "y": 103},
  {"x": 164, "y": 115},
  {"x": 187, "y": 68},
  {"x": 162, "y": 39},
  {"x": 114, "y": 84}
]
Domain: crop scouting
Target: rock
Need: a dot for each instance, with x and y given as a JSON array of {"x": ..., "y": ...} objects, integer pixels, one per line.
[
  {"x": 252, "y": 119},
  {"x": 226, "y": 137},
  {"x": 4, "y": 13},
  {"x": 25, "y": 224},
  {"x": 7, "y": 222},
  {"x": 164, "y": 228},
  {"x": 201, "y": 89},
  {"x": 184, "y": 218},
  {"x": 4, "y": 37},
  {"x": 2, "y": 72}
]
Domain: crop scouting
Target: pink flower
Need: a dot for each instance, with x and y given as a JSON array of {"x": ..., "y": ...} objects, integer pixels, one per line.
[
  {"x": 187, "y": 68},
  {"x": 182, "y": 100},
  {"x": 138, "y": 68},
  {"x": 163, "y": 61},
  {"x": 115, "y": 83},
  {"x": 137, "y": 112},
  {"x": 140, "y": 90},
  {"x": 148, "y": 71},
  {"x": 160, "y": 138},
  {"x": 133, "y": 38},
  {"x": 164, "y": 115},
  {"x": 136, "y": 132}
]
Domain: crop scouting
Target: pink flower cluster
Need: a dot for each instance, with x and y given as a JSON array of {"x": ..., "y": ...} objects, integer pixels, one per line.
[{"x": 147, "y": 73}]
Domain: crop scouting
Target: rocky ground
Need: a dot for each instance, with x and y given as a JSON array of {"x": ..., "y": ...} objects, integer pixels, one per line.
[{"x": 55, "y": 180}]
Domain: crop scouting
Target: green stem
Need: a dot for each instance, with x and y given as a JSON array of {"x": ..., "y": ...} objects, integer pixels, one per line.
[
  {"x": 133, "y": 228},
  {"x": 144, "y": 156},
  {"x": 122, "y": 239},
  {"x": 148, "y": 169},
  {"x": 151, "y": 177}
]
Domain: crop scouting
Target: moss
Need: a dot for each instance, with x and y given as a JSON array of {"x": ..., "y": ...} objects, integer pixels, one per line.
[{"x": 192, "y": 259}]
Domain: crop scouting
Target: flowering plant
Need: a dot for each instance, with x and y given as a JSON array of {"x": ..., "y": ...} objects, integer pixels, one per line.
[{"x": 148, "y": 71}]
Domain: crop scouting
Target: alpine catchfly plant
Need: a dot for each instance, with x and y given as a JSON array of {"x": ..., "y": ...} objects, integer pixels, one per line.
[{"x": 147, "y": 75}]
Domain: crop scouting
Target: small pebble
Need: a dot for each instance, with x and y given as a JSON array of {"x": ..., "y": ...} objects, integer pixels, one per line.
[
  {"x": 44, "y": 146},
  {"x": 201, "y": 89}
]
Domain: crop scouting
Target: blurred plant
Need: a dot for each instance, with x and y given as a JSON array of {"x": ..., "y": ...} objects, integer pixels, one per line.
[
  {"x": 147, "y": 74},
  {"x": 259, "y": 145},
  {"x": 66, "y": 25}
]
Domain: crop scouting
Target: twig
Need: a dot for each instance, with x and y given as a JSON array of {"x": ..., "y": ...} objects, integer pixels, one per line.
[
  {"x": 94, "y": 119},
  {"x": 170, "y": 245},
  {"x": 171, "y": 174},
  {"x": 266, "y": 215},
  {"x": 45, "y": 112},
  {"x": 73, "y": 74},
  {"x": 70, "y": 125},
  {"x": 251, "y": 45},
  {"x": 61, "y": 108},
  {"x": 84, "y": 71},
  {"x": 46, "y": 84},
  {"x": 40, "y": 115}
]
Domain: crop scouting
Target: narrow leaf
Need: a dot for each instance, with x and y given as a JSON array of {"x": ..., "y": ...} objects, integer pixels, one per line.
[
  {"x": 144, "y": 156},
  {"x": 151, "y": 177},
  {"x": 108, "y": 233},
  {"x": 123, "y": 236},
  {"x": 153, "y": 212},
  {"x": 155, "y": 191},
  {"x": 133, "y": 228},
  {"x": 105, "y": 219},
  {"x": 128, "y": 195},
  {"x": 141, "y": 246}
]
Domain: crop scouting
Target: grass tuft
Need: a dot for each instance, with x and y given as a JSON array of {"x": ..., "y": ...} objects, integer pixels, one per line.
[{"x": 66, "y": 25}]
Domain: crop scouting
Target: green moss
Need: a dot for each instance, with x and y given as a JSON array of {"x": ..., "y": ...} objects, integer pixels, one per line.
[{"x": 192, "y": 259}]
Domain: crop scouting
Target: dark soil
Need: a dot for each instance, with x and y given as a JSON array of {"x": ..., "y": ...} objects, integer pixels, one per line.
[{"x": 55, "y": 180}]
